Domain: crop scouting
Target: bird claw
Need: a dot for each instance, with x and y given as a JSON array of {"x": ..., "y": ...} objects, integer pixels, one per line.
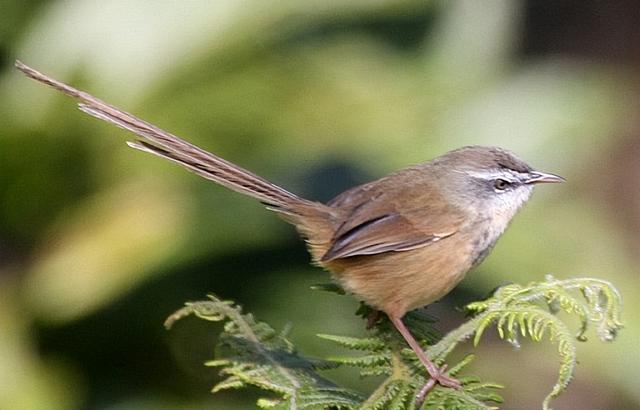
[{"x": 438, "y": 378}]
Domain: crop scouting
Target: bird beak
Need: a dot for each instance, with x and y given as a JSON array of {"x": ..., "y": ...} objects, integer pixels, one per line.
[{"x": 536, "y": 177}]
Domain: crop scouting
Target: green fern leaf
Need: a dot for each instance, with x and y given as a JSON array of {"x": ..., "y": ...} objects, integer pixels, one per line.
[
  {"x": 530, "y": 309},
  {"x": 256, "y": 355},
  {"x": 252, "y": 353},
  {"x": 371, "y": 344}
]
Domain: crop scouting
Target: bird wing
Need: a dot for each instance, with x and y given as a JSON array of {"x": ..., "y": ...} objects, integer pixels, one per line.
[{"x": 398, "y": 218}]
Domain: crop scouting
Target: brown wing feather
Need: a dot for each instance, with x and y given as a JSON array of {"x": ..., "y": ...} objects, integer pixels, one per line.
[
  {"x": 391, "y": 217},
  {"x": 388, "y": 233}
]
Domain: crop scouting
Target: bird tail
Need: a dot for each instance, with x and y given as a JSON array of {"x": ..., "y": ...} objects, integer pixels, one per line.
[
  {"x": 218, "y": 170},
  {"x": 166, "y": 145}
]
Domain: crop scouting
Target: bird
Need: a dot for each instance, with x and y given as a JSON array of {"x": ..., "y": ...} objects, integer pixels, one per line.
[{"x": 397, "y": 243}]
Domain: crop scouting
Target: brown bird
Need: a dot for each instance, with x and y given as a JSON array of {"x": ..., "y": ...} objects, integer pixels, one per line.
[{"x": 397, "y": 243}]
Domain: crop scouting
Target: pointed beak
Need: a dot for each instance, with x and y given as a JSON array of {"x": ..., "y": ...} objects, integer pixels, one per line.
[{"x": 537, "y": 177}]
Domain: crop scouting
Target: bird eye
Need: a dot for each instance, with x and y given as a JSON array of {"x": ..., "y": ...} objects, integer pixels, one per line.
[{"x": 501, "y": 184}]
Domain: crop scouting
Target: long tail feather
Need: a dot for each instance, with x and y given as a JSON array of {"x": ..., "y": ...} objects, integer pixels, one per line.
[{"x": 167, "y": 145}]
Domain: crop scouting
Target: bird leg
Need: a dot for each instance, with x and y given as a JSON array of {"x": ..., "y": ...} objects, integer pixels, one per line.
[
  {"x": 436, "y": 374},
  {"x": 372, "y": 318}
]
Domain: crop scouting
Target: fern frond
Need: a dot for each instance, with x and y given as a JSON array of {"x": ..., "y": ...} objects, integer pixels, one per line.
[
  {"x": 256, "y": 355},
  {"x": 529, "y": 311},
  {"x": 252, "y": 353},
  {"x": 455, "y": 400},
  {"x": 406, "y": 377},
  {"x": 365, "y": 362},
  {"x": 371, "y": 344}
]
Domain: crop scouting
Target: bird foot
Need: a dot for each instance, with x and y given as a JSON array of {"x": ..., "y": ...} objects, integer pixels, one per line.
[{"x": 437, "y": 376}]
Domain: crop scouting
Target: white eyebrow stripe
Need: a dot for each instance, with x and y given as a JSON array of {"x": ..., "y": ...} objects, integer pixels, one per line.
[{"x": 508, "y": 175}]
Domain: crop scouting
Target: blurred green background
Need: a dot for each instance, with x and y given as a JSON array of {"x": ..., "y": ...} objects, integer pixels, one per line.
[{"x": 99, "y": 243}]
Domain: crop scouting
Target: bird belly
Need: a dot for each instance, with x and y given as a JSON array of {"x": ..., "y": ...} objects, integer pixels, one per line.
[{"x": 396, "y": 282}]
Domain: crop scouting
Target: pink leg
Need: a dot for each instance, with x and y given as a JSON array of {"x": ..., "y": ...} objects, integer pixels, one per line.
[{"x": 437, "y": 374}]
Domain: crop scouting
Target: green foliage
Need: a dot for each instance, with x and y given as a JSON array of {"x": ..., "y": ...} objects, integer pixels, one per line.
[
  {"x": 530, "y": 311},
  {"x": 254, "y": 354}
]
